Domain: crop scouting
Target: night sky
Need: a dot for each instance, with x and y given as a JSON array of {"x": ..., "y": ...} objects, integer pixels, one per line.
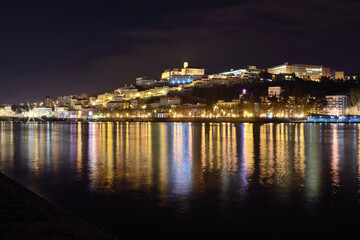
[{"x": 65, "y": 47}]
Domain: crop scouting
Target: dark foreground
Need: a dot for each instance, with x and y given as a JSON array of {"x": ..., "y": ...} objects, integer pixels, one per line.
[{"x": 25, "y": 215}]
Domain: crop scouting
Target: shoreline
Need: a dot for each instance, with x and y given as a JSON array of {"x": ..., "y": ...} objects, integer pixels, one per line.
[
  {"x": 194, "y": 120},
  {"x": 189, "y": 120},
  {"x": 26, "y": 215}
]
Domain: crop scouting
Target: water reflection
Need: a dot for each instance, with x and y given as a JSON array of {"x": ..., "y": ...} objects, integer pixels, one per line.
[{"x": 180, "y": 161}]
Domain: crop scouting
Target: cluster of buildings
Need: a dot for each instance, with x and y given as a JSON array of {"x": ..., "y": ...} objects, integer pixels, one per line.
[{"x": 150, "y": 97}]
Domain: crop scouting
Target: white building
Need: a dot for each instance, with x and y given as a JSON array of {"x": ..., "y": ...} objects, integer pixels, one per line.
[
  {"x": 5, "y": 110},
  {"x": 43, "y": 112},
  {"x": 336, "y": 104},
  {"x": 184, "y": 75},
  {"x": 274, "y": 91}
]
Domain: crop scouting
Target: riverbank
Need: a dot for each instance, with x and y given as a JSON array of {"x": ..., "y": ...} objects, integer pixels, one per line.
[
  {"x": 25, "y": 215},
  {"x": 195, "y": 120}
]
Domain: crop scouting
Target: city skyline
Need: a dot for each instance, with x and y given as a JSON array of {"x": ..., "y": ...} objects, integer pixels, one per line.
[
  {"x": 304, "y": 71},
  {"x": 57, "y": 49}
]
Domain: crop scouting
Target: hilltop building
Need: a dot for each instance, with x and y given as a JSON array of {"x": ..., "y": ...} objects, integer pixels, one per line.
[
  {"x": 337, "y": 75},
  {"x": 246, "y": 73},
  {"x": 313, "y": 72},
  {"x": 185, "y": 75}
]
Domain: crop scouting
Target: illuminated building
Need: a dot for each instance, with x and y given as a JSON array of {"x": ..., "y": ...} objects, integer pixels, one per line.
[
  {"x": 64, "y": 100},
  {"x": 126, "y": 89},
  {"x": 77, "y": 103},
  {"x": 60, "y": 112},
  {"x": 337, "y": 75},
  {"x": 49, "y": 102},
  {"x": 181, "y": 79},
  {"x": 77, "y": 107},
  {"x": 228, "y": 109},
  {"x": 169, "y": 101},
  {"x": 43, "y": 112},
  {"x": 118, "y": 105},
  {"x": 70, "y": 100},
  {"x": 232, "y": 104},
  {"x": 145, "y": 81},
  {"x": 336, "y": 104},
  {"x": 184, "y": 75},
  {"x": 5, "y": 110},
  {"x": 247, "y": 73},
  {"x": 88, "y": 112},
  {"x": 313, "y": 72},
  {"x": 274, "y": 91},
  {"x": 134, "y": 104}
]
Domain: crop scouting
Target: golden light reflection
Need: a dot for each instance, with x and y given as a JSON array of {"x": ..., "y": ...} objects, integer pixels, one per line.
[
  {"x": 79, "y": 155},
  {"x": 203, "y": 148},
  {"x": 92, "y": 152},
  {"x": 248, "y": 150},
  {"x": 175, "y": 159},
  {"x": 210, "y": 148},
  {"x": 54, "y": 148},
  {"x": 34, "y": 145},
  {"x": 313, "y": 167},
  {"x": 335, "y": 157},
  {"x": 299, "y": 149},
  {"x": 11, "y": 142},
  {"x": 280, "y": 155},
  {"x": 163, "y": 148},
  {"x": 266, "y": 158},
  {"x": 7, "y": 142}
]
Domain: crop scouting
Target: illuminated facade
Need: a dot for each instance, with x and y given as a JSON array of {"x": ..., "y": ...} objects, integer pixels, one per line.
[
  {"x": 5, "y": 110},
  {"x": 184, "y": 75},
  {"x": 169, "y": 101},
  {"x": 64, "y": 100},
  {"x": 43, "y": 112},
  {"x": 118, "y": 105},
  {"x": 248, "y": 72},
  {"x": 77, "y": 103},
  {"x": 274, "y": 91},
  {"x": 49, "y": 102},
  {"x": 313, "y": 72},
  {"x": 336, "y": 104},
  {"x": 337, "y": 75},
  {"x": 146, "y": 82}
]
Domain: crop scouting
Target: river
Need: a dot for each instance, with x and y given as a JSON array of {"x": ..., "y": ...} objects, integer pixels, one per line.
[{"x": 181, "y": 180}]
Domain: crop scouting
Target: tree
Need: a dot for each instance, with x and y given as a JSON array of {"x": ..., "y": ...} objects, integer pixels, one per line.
[{"x": 354, "y": 97}]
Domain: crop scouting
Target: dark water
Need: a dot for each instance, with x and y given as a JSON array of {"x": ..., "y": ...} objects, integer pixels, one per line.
[{"x": 193, "y": 180}]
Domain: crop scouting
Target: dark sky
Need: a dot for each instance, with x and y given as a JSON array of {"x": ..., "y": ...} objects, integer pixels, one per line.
[{"x": 65, "y": 47}]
